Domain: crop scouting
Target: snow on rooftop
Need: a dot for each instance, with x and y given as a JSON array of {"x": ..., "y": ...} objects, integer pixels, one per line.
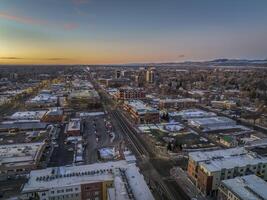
[
  {"x": 28, "y": 115},
  {"x": 19, "y": 153},
  {"x": 199, "y": 156},
  {"x": 193, "y": 113},
  {"x": 124, "y": 176},
  {"x": 248, "y": 187},
  {"x": 140, "y": 106}
]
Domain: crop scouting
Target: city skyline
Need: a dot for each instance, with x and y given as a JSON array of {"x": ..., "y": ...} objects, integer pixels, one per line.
[{"x": 118, "y": 32}]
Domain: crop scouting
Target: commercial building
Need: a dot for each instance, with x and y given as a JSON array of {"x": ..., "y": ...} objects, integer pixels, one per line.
[
  {"x": 129, "y": 93},
  {"x": 191, "y": 113},
  {"x": 112, "y": 180},
  {"x": 224, "y": 104},
  {"x": 73, "y": 128},
  {"x": 248, "y": 187},
  {"x": 54, "y": 115},
  {"x": 17, "y": 159},
  {"x": 208, "y": 169},
  {"x": 28, "y": 115},
  {"x": 22, "y": 125},
  {"x": 83, "y": 99},
  {"x": 44, "y": 99},
  {"x": 118, "y": 82},
  {"x": 150, "y": 75},
  {"x": 141, "y": 113},
  {"x": 212, "y": 123},
  {"x": 177, "y": 103}
]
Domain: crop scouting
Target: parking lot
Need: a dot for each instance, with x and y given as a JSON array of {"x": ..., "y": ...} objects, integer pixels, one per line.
[{"x": 98, "y": 133}]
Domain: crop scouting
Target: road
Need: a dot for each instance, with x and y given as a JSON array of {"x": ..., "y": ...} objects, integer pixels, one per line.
[
  {"x": 155, "y": 170},
  {"x": 61, "y": 156},
  {"x": 158, "y": 168}
]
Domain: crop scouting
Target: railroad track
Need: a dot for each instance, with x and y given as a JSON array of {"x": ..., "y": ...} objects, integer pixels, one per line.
[
  {"x": 130, "y": 136},
  {"x": 139, "y": 149}
]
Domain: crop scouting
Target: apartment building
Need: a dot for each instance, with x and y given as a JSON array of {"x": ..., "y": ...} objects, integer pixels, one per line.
[
  {"x": 208, "y": 169},
  {"x": 128, "y": 93},
  {"x": 141, "y": 113},
  {"x": 177, "y": 103},
  {"x": 243, "y": 188},
  {"x": 100, "y": 181}
]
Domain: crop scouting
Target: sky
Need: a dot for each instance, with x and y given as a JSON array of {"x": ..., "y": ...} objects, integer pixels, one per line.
[{"x": 131, "y": 31}]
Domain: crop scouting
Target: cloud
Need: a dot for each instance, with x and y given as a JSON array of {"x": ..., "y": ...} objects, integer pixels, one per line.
[
  {"x": 20, "y": 58},
  {"x": 32, "y": 21},
  {"x": 55, "y": 59},
  {"x": 21, "y": 19},
  {"x": 70, "y": 26},
  {"x": 10, "y": 58}
]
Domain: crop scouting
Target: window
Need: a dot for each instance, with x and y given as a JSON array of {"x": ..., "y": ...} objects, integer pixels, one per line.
[
  {"x": 69, "y": 190},
  {"x": 43, "y": 194}
]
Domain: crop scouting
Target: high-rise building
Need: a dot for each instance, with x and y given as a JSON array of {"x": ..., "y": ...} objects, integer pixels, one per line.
[
  {"x": 117, "y": 74},
  {"x": 150, "y": 75}
]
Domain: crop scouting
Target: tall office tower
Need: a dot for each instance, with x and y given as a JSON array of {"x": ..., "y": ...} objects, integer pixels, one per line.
[
  {"x": 150, "y": 75},
  {"x": 117, "y": 74}
]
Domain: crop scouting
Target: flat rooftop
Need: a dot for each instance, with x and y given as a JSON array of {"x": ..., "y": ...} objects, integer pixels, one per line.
[
  {"x": 232, "y": 161},
  {"x": 212, "y": 121},
  {"x": 193, "y": 113},
  {"x": 199, "y": 156},
  {"x": 28, "y": 115},
  {"x": 248, "y": 187},
  {"x": 84, "y": 94},
  {"x": 23, "y": 125},
  {"x": 19, "y": 154},
  {"x": 184, "y": 100},
  {"x": 140, "y": 106},
  {"x": 74, "y": 124},
  {"x": 118, "y": 171}
]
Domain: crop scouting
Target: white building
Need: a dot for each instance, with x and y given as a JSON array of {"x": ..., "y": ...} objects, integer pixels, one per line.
[
  {"x": 17, "y": 159},
  {"x": 212, "y": 123},
  {"x": 214, "y": 166},
  {"x": 112, "y": 180},
  {"x": 248, "y": 187}
]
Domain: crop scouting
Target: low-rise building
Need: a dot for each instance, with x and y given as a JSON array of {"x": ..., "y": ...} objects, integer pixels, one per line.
[
  {"x": 248, "y": 187},
  {"x": 191, "y": 113},
  {"x": 212, "y": 123},
  {"x": 54, "y": 115},
  {"x": 141, "y": 113},
  {"x": 112, "y": 180},
  {"x": 177, "y": 103},
  {"x": 17, "y": 159},
  {"x": 74, "y": 127},
  {"x": 129, "y": 93},
  {"x": 28, "y": 115},
  {"x": 224, "y": 104},
  {"x": 82, "y": 99},
  {"x": 42, "y": 100},
  {"x": 208, "y": 169}
]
